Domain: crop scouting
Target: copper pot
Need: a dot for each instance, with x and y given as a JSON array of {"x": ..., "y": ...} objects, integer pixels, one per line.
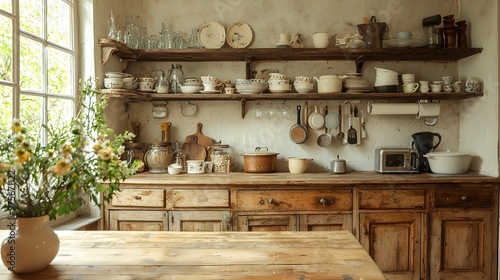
[{"x": 260, "y": 161}]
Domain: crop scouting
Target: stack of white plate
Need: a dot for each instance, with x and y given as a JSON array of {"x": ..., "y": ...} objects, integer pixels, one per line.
[
  {"x": 354, "y": 83},
  {"x": 386, "y": 80}
]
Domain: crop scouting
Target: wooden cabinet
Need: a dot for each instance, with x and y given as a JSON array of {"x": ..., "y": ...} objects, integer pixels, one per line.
[
  {"x": 463, "y": 233},
  {"x": 291, "y": 210},
  {"x": 203, "y": 220},
  {"x": 138, "y": 220},
  {"x": 391, "y": 229}
]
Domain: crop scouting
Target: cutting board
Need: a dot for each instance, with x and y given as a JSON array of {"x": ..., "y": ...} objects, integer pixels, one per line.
[
  {"x": 193, "y": 150},
  {"x": 203, "y": 140}
]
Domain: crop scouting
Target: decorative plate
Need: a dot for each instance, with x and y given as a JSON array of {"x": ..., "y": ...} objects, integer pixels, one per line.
[
  {"x": 239, "y": 35},
  {"x": 212, "y": 35}
]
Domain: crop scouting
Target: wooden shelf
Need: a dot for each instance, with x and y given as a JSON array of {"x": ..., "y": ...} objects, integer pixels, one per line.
[
  {"x": 141, "y": 96},
  {"x": 270, "y": 54}
]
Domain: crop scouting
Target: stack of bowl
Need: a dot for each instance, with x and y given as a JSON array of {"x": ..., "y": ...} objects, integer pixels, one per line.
[
  {"x": 386, "y": 80},
  {"x": 248, "y": 86},
  {"x": 210, "y": 84},
  {"x": 191, "y": 85},
  {"x": 114, "y": 80},
  {"x": 278, "y": 83},
  {"x": 303, "y": 84}
]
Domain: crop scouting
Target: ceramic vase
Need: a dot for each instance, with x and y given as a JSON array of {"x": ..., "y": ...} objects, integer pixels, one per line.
[{"x": 31, "y": 246}]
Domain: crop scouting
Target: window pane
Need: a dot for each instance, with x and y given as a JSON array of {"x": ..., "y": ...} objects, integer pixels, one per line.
[
  {"x": 6, "y": 115},
  {"x": 6, "y": 5},
  {"x": 30, "y": 16},
  {"x": 31, "y": 114},
  {"x": 5, "y": 49},
  {"x": 31, "y": 65},
  {"x": 59, "y": 23},
  {"x": 59, "y": 72},
  {"x": 60, "y": 112}
]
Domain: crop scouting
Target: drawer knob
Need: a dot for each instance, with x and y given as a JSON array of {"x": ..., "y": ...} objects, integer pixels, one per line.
[
  {"x": 322, "y": 201},
  {"x": 137, "y": 197},
  {"x": 325, "y": 201},
  {"x": 262, "y": 201},
  {"x": 270, "y": 201},
  {"x": 394, "y": 200},
  {"x": 464, "y": 197}
]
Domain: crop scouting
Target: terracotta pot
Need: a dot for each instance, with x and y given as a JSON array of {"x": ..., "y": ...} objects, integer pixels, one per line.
[
  {"x": 31, "y": 247},
  {"x": 260, "y": 162}
]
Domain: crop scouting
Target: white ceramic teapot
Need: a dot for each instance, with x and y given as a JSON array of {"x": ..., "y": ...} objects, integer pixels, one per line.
[{"x": 329, "y": 83}]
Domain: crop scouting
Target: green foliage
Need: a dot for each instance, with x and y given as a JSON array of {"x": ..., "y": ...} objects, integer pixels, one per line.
[{"x": 78, "y": 159}]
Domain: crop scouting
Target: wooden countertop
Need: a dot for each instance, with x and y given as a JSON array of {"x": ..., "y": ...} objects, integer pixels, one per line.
[
  {"x": 288, "y": 179},
  {"x": 207, "y": 255}
]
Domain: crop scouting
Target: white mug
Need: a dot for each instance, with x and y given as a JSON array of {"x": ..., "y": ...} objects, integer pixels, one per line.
[
  {"x": 410, "y": 87},
  {"x": 321, "y": 40},
  {"x": 424, "y": 88}
]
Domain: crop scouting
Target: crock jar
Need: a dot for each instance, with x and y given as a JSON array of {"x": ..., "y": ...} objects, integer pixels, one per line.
[
  {"x": 159, "y": 156},
  {"x": 221, "y": 157}
]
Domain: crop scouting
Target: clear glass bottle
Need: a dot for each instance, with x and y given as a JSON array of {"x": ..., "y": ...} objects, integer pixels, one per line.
[
  {"x": 112, "y": 27},
  {"x": 162, "y": 85},
  {"x": 193, "y": 42},
  {"x": 176, "y": 78},
  {"x": 180, "y": 158}
]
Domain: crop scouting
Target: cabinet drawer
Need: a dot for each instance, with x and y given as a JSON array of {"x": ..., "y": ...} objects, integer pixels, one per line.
[
  {"x": 200, "y": 198},
  {"x": 283, "y": 200},
  {"x": 471, "y": 198},
  {"x": 391, "y": 199},
  {"x": 140, "y": 198}
]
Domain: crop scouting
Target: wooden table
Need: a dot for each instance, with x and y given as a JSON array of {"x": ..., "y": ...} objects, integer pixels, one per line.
[{"x": 203, "y": 255}]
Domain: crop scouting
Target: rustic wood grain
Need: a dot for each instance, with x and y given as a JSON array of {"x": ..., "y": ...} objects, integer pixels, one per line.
[{"x": 196, "y": 255}]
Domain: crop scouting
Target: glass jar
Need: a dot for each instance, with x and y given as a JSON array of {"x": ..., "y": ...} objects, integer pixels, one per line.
[
  {"x": 134, "y": 151},
  {"x": 176, "y": 78},
  {"x": 159, "y": 156},
  {"x": 112, "y": 26},
  {"x": 221, "y": 158},
  {"x": 162, "y": 85}
]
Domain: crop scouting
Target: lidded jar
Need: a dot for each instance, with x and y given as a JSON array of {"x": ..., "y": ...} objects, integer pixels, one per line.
[
  {"x": 176, "y": 78},
  {"x": 159, "y": 156},
  {"x": 221, "y": 157}
]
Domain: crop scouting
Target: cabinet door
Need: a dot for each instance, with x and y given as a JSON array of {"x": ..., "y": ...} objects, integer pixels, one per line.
[
  {"x": 324, "y": 222},
  {"x": 394, "y": 241},
  {"x": 138, "y": 220},
  {"x": 267, "y": 223},
  {"x": 462, "y": 245},
  {"x": 200, "y": 221}
]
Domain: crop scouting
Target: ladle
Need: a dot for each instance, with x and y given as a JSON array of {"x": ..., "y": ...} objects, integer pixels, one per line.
[{"x": 340, "y": 135}]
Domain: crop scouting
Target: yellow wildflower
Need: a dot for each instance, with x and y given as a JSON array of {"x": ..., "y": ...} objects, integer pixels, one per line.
[
  {"x": 16, "y": 127},
  {"x": 62, "y": 167},
  {"x": 22, "y": 155},
  {"x": 97, "y": 147},
  {"x": 67, "y": 149},
  {"x": 104, "y": 154}
]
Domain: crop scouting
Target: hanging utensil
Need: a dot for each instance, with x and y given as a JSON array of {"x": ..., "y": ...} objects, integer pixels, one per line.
[
  {"x": 325, "y": 139},
  {"x": 352, "y": 134},
  {"x": 340, "y": 135},
  {"x": 298, "y": 132},
  {"x": 363, "y": 125}
]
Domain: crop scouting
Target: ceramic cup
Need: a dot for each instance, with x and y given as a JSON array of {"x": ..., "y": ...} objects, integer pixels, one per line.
[
  {"x": 208, "y": 166},
  {"x": 424, "y": 88},
  {"x": 448, "y": 88},
  {"x": 404, "y": 35},
  {"x": 424, "y": 83},
  {"x": 441, "y": 83},
  {"x": 457, "y": 86},
  {"x": 408, "y": 78},
  {"x": 447, "y": 79},
  {"x": 436, "y": 87},
  {"x": 410, "y": 87},
  {"x": 209, "y": 79},
  {"x": 277, "y": 76},
  {"x": 229, "y": 90},
  {"x": 321, "y": 40}
]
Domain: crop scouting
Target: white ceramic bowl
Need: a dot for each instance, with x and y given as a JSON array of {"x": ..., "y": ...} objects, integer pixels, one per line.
[
  {"x": 279, "y": 88},
  {"x": 113, "y": 83},
  {"x": 146, "y": 86},
  {"x": 174, "y": 169},
  {"x": 191, "y": 89},
  {"x": 251, "y": 88},
  {"x": 195, "y": 166},
  {"x": 147, "y": 79},
  {"x": 303, "y": 87},
  {"x": 279, "y": 82},
  {"x": 298, "y": 165},
  {"x": 449, "y": 162}
]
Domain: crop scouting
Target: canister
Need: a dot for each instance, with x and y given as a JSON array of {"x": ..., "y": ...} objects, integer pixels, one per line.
[
  {"x": 159, "y": 156},
  {"x": 221, "y": 157}
]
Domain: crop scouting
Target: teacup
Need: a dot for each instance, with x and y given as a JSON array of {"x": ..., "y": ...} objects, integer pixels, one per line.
[
  {"x": 303, "y": 79},
  {"x": 436, "y": 87},
  {"x": 424, "y": 83},
  {"x": 408, "y": 78},
  {"x": 447, "y": 79},
  {"x": 321, "y": 40},
  {"x": 438, "y": 83},
  {"x": 410, "y": 87},
  {"x": 277, "y": 76},
  {"x": 448, "y": 88},
  {"x": 191, "y": 80},
  {"x": 210, "y": 86},
  {"x": 146, "y": 86},
  {"x": 424, "y": 88},
  {"x": 209, "y": 78},
  {"x": 457, "y": 88}
]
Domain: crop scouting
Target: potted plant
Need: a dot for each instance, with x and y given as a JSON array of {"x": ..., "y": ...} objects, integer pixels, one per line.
[{"x": 40, "y": 181}]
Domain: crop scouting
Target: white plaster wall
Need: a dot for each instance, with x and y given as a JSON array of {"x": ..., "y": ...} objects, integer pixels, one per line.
[
  {"x": 222, "y": 120},
  {"x": 479, "y": 117}
]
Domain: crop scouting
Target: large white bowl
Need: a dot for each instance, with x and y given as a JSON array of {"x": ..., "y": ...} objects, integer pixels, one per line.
[
  {"x": 251, "y": 88},
  {"x": 191, "y": 89},
  {"x": 449, "y": 162}
]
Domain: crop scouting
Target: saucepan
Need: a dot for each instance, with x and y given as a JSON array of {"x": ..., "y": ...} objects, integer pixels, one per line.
[{"x": 298, "y": 132}]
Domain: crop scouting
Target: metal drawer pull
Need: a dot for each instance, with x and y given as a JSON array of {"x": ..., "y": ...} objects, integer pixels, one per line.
[
  {"x": 464, "y": 197},
  {"x": 324, "y": 201},
  {"x": 262, "y": 201},
  {"x": 270, "y": 201},
  {"x": 393, "y": 200},
  {"x": 137, "y": 197}
]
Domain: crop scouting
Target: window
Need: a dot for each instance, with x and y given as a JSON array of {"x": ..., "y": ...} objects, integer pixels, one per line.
[{"x": 38, "y": 83}]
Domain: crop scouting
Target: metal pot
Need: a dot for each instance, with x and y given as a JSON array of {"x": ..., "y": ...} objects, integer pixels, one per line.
[
  {"x": 260, "y": 161},
  {"x": 338, "y": 166}
]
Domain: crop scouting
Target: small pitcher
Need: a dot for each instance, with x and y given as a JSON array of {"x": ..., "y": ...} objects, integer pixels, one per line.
[{"x": 284, "y": 41}]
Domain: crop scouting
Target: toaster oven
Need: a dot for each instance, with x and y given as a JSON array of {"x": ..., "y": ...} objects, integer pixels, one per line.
[{"x": 396, "y": 160}]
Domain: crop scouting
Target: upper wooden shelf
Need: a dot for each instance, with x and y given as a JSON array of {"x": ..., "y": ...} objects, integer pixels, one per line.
[
  {"x": 267, "y": 54},
  {"x": 142, "y": 96}
]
